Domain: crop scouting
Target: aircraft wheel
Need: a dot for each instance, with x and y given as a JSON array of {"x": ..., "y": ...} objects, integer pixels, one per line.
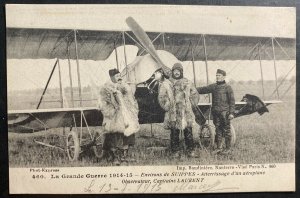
[
  {"x": 207, "y": 137},
  {"x": 73, "y": 146},
  {"x": 233, "y": 135},
  {"x": 97, "y": 148}
]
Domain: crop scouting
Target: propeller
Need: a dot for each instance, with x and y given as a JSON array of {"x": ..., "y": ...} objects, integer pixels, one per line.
[{"x": 146, "y": 43}]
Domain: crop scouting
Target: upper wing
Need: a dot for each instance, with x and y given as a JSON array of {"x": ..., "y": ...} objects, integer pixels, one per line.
[
  {"x": 98, "y": 45},
  {"x": 29, "y": 121},
  {"x": 53, "y": 43},
  {"x": 221, "y": 47}
]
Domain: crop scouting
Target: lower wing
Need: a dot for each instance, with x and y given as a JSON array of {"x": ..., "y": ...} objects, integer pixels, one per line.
[
  {"x": 29, "y": 121},
  {"x": 249, "y": 104}
]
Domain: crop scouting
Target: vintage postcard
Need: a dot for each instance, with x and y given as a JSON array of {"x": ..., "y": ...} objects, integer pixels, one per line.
[{"x": 107, "y": 99}]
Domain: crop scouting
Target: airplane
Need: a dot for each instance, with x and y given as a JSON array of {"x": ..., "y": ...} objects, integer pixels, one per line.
[{"x": 161, "y": 48}]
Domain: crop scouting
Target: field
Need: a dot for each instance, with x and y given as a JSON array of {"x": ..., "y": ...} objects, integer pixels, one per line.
[{"x": 269, "y": 138}]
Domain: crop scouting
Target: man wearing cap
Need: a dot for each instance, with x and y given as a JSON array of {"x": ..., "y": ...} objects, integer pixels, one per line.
[
  {"x": 223, "y": 105},
  {"x": 120, "y": 117},
  {"x": 185, "y": 96}
]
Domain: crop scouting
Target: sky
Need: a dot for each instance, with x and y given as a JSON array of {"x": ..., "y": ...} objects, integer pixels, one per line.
[
  {"x": 247, "y": 21},
  {"x": 223, "y": 20}
]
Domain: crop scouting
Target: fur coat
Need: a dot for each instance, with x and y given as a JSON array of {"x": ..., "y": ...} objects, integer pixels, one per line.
[
  {"x": 119, "y": 108},
  {"x": 185, "y": 96},
  {"x": 167, "y": 102}
]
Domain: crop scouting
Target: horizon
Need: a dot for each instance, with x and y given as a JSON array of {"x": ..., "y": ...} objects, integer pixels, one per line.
[
  {"x": 201, "y": 82},
  {"x": 29, "y": 74}
]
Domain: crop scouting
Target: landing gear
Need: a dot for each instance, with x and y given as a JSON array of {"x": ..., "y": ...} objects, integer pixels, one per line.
[
  {"x": 76, "y": 141},
  {"x": 207, "y": 136},
  {"x": 76, "y": 144},
  {"x": 73, "y": 146},
  {"x": 233, "y": 135},
  {"x": 97, "y": 148}
]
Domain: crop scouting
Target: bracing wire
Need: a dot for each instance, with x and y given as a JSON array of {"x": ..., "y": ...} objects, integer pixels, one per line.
[{"x": 24, "y": 76}]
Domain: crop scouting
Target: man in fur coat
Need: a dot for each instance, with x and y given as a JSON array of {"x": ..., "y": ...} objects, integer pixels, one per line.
[
  {"x": 120, "y": 116},
  {"x": 178, "y": 106},
  {"x": 166, "y": 99}
]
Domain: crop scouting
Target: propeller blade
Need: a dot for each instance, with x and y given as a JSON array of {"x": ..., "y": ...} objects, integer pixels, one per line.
[{"x": 145, "y": 41}]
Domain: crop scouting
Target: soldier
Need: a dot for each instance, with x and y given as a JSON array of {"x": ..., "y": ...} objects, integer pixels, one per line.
[
  {"x": 223, "y": 104},
  {"x": 120, "y": 117},
  {"x": 166, "y": 99},
  {"x": 180, "y": 114}
]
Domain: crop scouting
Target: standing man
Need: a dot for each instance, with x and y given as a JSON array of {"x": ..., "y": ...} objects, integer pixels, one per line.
[
  {"x": 223, "y": 105},
  {"x": 166, "y": 100},
  {"x": 120, "y": 117},
  {"x": 185, "y": 96}
]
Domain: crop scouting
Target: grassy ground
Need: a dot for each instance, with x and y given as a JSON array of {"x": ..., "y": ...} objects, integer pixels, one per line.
[{"x": 260, "y": 139}]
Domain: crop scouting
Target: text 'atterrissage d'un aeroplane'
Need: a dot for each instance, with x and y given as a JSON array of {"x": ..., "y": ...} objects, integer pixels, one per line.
[{"x": 56, "y": 43}]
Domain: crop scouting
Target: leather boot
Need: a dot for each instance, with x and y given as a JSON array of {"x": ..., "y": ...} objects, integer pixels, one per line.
[
  {"x": 219, "y": 145},
  {"x": 116, "y": 157},
  {"x": 189, "y": 142},
  {"x": 188, "y": 137},
  {"x": 125, "y": 157},
  {"x": 174, "y": 138},
  {"x": 228, "y": 145}
]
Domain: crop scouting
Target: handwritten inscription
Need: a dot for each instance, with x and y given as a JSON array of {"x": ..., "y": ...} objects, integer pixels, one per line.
[{"x": 95, "y": 187}]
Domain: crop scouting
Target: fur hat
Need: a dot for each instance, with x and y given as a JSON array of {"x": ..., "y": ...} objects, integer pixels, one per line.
[
  {"x": 220, "y": 71},
  {"x": 113, "y": 72},
  {"x": 177, "y": 66}
]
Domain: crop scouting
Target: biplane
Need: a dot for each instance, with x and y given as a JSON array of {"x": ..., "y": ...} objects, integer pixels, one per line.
[{"x": 156, "y": 49}]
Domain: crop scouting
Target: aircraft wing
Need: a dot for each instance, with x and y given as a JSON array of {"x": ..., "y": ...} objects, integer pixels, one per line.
[
  {"x": 53, "y": 43},
  {"x": 242, "y": 108},
  {"x": 29, "y": 121},
  {"x": 222, "y": 47},
  {"x": 151, "y": 112},
  {"x": 36, "y": 43}
]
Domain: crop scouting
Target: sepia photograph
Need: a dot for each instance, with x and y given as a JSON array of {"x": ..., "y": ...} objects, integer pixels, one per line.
[{"x": 165, "y": 98}]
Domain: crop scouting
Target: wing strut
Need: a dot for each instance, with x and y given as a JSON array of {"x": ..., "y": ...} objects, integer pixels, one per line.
[
  {"x": 261, "y": 71},
  {"x": 70, "y": 73},
  {"x": 116, "y": 53},
  {"x": 194, "y": 72},
  {"x": 207, "y": 77},
  {"x": 124, "y": 51},
  {"x": 78, "y": 69},
  {"x": 206, "y": 65},
  {"x": 275, "y": 70},
  {"x": 60, "y": 86},
  {"x": 47, "y": 84}
]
